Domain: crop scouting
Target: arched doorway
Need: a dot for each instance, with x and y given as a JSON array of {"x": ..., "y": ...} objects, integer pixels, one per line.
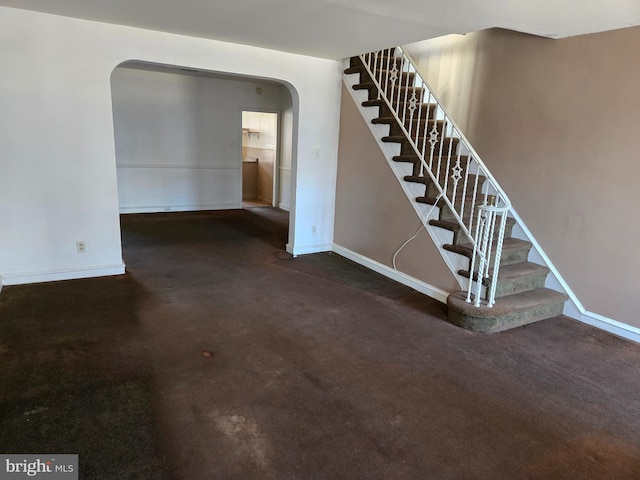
[{"x": 178, "y": 137}]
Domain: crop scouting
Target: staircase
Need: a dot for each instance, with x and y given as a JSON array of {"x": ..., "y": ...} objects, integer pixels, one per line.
[{"x": 461, "y": 205}]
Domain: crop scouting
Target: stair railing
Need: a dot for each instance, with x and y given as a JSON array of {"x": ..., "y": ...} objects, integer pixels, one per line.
[{"x": 447, "y": 162}]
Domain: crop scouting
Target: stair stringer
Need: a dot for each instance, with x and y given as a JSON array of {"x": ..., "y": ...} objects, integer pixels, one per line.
[{"x": 438, "y": 235}]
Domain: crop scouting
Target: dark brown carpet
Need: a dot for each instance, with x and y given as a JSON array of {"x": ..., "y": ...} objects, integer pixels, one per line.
[{"x": 318, "y": 369}]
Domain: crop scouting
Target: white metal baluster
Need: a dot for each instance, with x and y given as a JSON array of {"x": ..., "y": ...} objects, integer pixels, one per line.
[
  {"x": 446, "y": 170},
  {"x": 397, "y": 90},
  {"x": 426, "y": 132},
  {"x": 417, "y": 131},
  {"x": 456, "y": 175},
  {"x": 484, "y": 242},
  {"x": 496, "y": 268},
  {"x": 433, "y": 140},
  {"x": 456, "y": 168},
  {"x": 474, "y": 201},
  {"x": 490, "y": 243},
  {"x": 440, "y": 151},
  {"x": 476, "y": 252},
  {"x": 388, "y": 73},
  {"x": 445, "y": 187},
  {"x": 375, "y": 67},
  {"x": 409, "y": 123},
  {"x": 399, "y": 84},
  {"x": 450, "y": 136},
  {"x": 418, "y": 124},
  {"x": 464, "y": 185},
  {"x": 381, "y": 74},
  {"x": 405, "y": 100},
  {"x": 417, "y": 82},
  {"x": 404, "y": 79}
]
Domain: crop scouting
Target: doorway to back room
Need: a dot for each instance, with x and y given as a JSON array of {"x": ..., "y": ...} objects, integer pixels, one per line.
[
  {"x": 180, "y": 145},
  {"x": 260, "y": 159}
]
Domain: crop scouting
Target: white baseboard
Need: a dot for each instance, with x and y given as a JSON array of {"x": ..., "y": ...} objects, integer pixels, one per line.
[
  {"x": 179, "y": 208},
  {"x": 610, "y": 325},
  {"x": 400, "y": 277},
  {"x": 594, "y": 319},
  {"x": 20, "y": 278},
  {"x": 307, "y": 249}
]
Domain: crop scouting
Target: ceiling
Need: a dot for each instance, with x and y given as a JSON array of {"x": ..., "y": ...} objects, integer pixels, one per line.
[{"x": 340, "y": 28}]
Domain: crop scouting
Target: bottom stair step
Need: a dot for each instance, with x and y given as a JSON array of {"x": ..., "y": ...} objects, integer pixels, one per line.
[{"x": 508, "y": 312}]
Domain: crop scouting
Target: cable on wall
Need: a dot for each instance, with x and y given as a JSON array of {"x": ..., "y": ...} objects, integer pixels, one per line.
[{"x": 424, "y": 220}]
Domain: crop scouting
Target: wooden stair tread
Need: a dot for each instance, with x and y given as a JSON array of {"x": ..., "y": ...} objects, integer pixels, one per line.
[
  {"x": 468, "y": 201},
  {"x": 394, "y": 139},
  {"x": 371, "y": 84},
  {"x": 377, "y": 102},
  {"x": 388, "y": 120},
  {"x": 402, "y": 139},
  {"x": 406, "y": 158},
  {"x": 452, "y": 225},
  {"x": 354, "y": 70},
  {"x": 466, "y": 249},
  {"x": 416, "y": 179}
]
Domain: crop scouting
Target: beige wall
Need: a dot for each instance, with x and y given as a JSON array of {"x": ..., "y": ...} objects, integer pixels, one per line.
[
  {"x": 557, "y": 123},
  {"x": 373, "y": 215}
]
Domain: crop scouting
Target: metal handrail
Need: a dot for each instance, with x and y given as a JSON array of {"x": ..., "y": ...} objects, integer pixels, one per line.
[{"x": 447, "y": 158}]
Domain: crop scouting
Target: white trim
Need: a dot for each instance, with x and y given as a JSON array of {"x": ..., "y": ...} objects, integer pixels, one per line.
[
  {"x": 400, "y": 277},
  {"x": 177, "y": 165},
  {"x": 179, "y": 208},
  {"x": 284, "y": 206},
  {"x": 594, "y": 319},
  {"x": 307, "y": 249},
  {"x": 19, "y": 278},
  {"x": 573, "y": 307},
  {"x": 610, "y": 325}
]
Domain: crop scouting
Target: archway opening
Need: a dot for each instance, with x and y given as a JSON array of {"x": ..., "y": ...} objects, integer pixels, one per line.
[{"x": 179, "y": 138}]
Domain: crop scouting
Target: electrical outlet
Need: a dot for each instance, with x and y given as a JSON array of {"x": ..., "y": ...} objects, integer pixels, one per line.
[
  {"x": 81, "y": 246},
  {"x": 314, "y": 229}
]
